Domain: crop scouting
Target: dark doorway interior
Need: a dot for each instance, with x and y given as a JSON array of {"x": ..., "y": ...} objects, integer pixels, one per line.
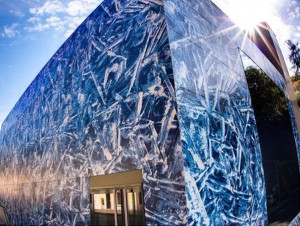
[
  {"x": 117, "y": 199},
  {"x": 279, "y": 155}
]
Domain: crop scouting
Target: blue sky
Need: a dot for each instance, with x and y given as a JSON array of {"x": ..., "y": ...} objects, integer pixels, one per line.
[
  {"x": 32, "y": 30},
  {"x": 30, "y": 33}
]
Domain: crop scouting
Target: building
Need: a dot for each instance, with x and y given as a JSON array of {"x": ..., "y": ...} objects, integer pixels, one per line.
[{"x": 143, "y": 115}]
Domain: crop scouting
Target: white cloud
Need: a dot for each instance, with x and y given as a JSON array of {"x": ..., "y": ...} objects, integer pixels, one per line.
[
  {"x": 293, "y": 10},
  {"x": 53, "y": 19},
  {"x": 38, "y": 27},
  {"x": 34, "y": 19},
  {"x": 294, "y": 13},
  {"x": 72, "y": 8},
  {"x": 75, "y": 8},
  {"x": 10, "y": 31},
  {"x": 73, "y": 22},
  {"x": 16, "y": 12},
  {"x": 297, "y": 33},
  {"x": 80, "y": 7},
  {"x": 59, "y": 15},
  {"x": 56, "y": 23},
  {"x": 68, "y": 32},
  {"x": 50, "y": 7},
  {"x": 50, "y": 22}
]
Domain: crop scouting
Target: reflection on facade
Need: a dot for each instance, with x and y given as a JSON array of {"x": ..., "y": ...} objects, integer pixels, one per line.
[
  {"x": 279, "y": 153},
  {"x": 154, "y": 86}
]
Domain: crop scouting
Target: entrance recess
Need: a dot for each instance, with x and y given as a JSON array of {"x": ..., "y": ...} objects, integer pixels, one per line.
[
  {"x": 117, "y": 199},
  {"x": 278, "y": 147}
]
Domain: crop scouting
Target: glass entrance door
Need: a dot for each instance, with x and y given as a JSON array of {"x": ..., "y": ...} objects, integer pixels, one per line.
[
  {"x": 103, "y": 207},
  {"x": 117, "y": 206},
  {"x": 120, "y": 203},
  {"x": 134, "y": 206}
]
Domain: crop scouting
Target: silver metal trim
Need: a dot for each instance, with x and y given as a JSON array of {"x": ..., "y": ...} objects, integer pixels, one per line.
[
  {"x": 116, "y": 211},
  {"x": 125, "y": 206}
]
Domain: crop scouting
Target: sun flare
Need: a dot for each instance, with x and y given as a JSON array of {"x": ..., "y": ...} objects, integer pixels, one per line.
[{"x": 247, "y": 13}]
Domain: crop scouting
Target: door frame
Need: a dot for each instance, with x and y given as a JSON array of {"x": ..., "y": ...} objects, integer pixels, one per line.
[{"x": 117, "y": 181}]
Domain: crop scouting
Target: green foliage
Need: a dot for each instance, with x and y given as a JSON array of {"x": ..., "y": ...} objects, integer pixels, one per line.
[
  {"x": 293, "y": 78},
  {"x": 296, "y": 85},
  {"x": 268, "y": 100}
]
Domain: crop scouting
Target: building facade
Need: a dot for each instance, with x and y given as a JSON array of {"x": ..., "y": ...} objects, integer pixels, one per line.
[{"x": 154, "y": 86}]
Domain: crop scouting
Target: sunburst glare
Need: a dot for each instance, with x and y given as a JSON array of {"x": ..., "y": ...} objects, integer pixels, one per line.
[{"x": 245, "y": 13}]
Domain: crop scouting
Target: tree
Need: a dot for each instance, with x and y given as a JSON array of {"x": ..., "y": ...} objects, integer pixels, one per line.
[
  {"x": 294, "y": 57},
  {"x": 296, "y": 85},
  {"x": 268, "y": 100},
  {"x": 293, "y": 78}
]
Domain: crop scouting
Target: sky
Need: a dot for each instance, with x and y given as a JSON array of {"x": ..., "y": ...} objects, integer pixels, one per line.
[{"x": 31, "y": 31}]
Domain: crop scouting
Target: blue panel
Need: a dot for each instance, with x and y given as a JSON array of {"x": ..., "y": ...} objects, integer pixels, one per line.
[
  {"x": 296, "y": 221},
  {"x": 104, "y": 103},
  {"x": 191, "y": 23},
  {"x": 222, "y": 158},
  {"x": 261, "y": 60},
  {"x": 295, "y": 130}
]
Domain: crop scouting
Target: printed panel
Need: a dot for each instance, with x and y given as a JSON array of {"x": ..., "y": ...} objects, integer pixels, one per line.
[
  {"x": 222, "y": 160},
  {"x": 203, "y": 24},
  {"x": 104, "y": 103}
]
